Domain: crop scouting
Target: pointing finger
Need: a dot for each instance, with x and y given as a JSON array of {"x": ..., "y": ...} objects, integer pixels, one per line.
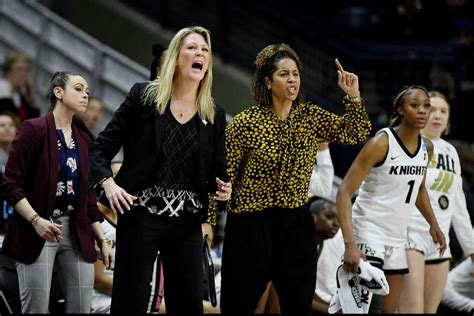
[
  {"x": 339, "y": 76},
  {"x": 339, "y": 66}
]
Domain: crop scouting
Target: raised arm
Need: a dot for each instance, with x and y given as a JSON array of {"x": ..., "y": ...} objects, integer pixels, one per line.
[
  {"x": 348, "y": 82},
  {"x": 372, "y": 153},
  {"x": 352, "y": 127}
]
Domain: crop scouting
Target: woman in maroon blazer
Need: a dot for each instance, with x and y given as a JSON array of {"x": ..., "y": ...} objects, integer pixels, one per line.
[{"x": 56, "y": 217}]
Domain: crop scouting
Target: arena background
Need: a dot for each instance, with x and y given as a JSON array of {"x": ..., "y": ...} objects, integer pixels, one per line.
[{"x": 389, "y": 44}]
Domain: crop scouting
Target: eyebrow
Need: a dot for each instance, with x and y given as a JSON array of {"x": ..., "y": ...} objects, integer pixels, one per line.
[
  {"x": 287, "y": 69},
  {"x": 78, "y": 83},
  {"x": 417, "y": 99},
  {"x": 196, "y": 43}
]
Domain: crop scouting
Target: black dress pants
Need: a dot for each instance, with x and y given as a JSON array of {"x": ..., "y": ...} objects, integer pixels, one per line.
[
  {"x": 275, "y": 244},
  {"x": 139, "y": 237}
]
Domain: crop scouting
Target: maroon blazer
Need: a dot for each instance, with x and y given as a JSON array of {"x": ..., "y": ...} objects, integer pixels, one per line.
[{"x": 32, "y": 173}]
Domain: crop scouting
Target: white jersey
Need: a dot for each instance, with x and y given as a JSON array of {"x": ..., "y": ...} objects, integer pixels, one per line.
[
  {"x": 459, "y": 291},
  {"x": 387, "y": 196},
  {"x": 322, "y": 176},
  {"x": 444, "y": 186},
  {"x": 328, "y": 262}
]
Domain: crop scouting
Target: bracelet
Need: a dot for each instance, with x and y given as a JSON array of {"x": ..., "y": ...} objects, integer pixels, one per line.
[
  {"x": 354, "y": 99},
  {"x": 101, "y": 182},
  {"x": 34, "y": 218},
  {"x": 104, "y": 240}
]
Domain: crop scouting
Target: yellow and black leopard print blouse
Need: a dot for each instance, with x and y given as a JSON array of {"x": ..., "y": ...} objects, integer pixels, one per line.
[{"x": 270, "y": 160}]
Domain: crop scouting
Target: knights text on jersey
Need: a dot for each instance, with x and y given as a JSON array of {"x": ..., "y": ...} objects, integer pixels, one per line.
[{"x": 387, "y": 196}]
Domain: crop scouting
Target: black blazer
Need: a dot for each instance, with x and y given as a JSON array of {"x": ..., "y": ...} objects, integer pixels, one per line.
[{"x": 140, "y": 129}]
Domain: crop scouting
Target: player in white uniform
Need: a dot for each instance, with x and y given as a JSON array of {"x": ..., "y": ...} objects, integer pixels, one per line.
[
  {"x": 423, "y": 286},
  {"x": 323, "y": 174},
  {"x": 391, "y": 168},
  {"x": 458, "y": 294}
]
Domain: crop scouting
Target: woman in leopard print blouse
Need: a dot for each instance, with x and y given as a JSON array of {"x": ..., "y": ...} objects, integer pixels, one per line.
[{"x": 271, "y": 150}]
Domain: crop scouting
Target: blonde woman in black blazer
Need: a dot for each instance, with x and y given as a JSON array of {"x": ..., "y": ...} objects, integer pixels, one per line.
[{"x": 173, "y": 176}]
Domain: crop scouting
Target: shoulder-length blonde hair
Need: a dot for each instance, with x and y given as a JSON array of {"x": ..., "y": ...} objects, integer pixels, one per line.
[{"x": 160, "y": 89}]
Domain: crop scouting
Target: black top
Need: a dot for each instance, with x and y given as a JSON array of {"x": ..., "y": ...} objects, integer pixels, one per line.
[
  {"x": 140, "y": 129},
  {"x": 178, "y": 159}
]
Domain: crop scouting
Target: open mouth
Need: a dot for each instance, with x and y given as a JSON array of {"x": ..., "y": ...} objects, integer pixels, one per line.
[
  {"x": 197, "y": 66},
  {"x": 292, "y": 89}
]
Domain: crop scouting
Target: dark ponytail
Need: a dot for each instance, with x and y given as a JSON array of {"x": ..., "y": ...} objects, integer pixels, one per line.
[{"x": 60, "y": 79}]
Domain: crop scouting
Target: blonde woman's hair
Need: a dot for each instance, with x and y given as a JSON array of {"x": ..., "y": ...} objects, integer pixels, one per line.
[{"x": 160, "y": 89}]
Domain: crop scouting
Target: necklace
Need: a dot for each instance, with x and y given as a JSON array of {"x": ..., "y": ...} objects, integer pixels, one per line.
[{"x": 182, "y": 111}]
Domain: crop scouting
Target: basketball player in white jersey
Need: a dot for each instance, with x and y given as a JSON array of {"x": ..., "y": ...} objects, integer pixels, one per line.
[
  {"x": 390, "y": 171},
  {"x": 423, "y": 286}
]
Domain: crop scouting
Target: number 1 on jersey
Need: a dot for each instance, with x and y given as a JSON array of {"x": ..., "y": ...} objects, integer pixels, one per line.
[{"x": 411, "y": 184}]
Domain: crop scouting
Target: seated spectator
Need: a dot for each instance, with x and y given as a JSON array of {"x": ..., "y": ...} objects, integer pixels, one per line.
[
  {"x": 327, "y": 226},
  {"x": 323, "y": 173},
  {"x": 16, "y": 93},
  {"x": 458, "y": 295},
  {"x": 9, "y": 124},
  {"x": 325, "y": 219},
  {"x": 94, "y": 114},
  {"x": 330, "y": 257}
]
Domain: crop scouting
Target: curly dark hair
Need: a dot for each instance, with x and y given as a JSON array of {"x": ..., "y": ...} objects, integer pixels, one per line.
[{"x": 266, "y": 64}]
